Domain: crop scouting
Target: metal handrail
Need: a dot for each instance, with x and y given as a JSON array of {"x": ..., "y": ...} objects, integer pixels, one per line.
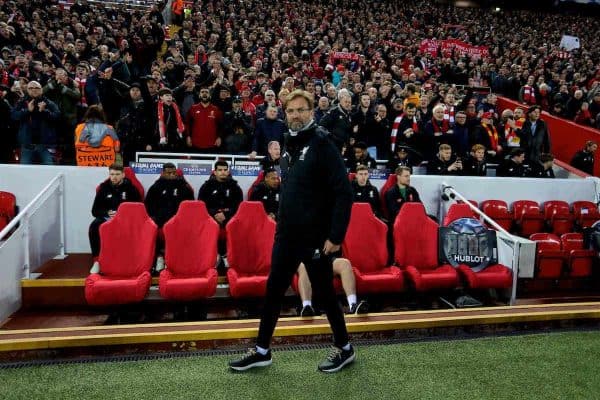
[
  {"x": 449, "y": 188},
  {"x": 509, "y": 237},
  {"x": 24, "y": 215}
]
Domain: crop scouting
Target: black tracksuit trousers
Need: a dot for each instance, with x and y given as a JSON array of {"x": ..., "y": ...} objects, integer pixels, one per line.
[{"x": 288, "y": 252}]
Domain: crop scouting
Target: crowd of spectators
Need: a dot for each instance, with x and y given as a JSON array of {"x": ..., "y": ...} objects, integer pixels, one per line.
[{"x": 216, "y": 81}]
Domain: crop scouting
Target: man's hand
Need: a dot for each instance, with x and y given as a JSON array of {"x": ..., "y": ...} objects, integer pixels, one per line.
[
  {"x": 218, "y": 142},
  {"x": 148, "y": 147},
  {"x": 188, "y": 141},
  {"x": 42, "y": 106},
  {"x": 219, "y": 217},
  {"x": 252, "y": 155},
  {"x": 31, "y": 105},
  {"x": 330, "y": 248}
]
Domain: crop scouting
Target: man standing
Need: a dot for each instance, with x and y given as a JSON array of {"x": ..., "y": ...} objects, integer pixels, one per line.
[
  {"x": 534, "y": 135},
  {"x": 202, "y": 122},
  {"x": 584, "y": 159},
  {"x": 267, "y": 129},
  {"x": 313, "y": 219},
  {"x": 37, "y": 117},
  {"x": 110, "y": 194},
  {"x": 338, "y": 121}
]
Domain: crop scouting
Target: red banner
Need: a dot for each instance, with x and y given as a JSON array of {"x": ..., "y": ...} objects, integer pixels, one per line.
[
  {"x": 392, "y": 44},
  {"x": 430, "y": 46},
  {"x": 342, "y": 55}
]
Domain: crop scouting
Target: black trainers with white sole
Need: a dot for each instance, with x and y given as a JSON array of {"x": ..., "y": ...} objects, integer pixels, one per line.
[
  {"x": 360, "y": 308},
  {"x": 337, "y": 359},
  {"x": 251, "y": 359},
  {"x": 307, "y": 311}
]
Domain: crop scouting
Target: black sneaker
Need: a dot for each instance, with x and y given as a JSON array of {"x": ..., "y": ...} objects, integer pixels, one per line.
[
  {"x": 250, "y": 360},
  {"x": 337, "y": 359},
  {"x": 360, "y": 308},
  {"x": 307, "y": 311}
]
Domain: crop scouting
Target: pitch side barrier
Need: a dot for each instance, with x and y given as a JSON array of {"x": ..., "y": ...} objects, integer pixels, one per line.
[
  {"x": 34, "y": 236},
  {"x": 81, "y": 182}
]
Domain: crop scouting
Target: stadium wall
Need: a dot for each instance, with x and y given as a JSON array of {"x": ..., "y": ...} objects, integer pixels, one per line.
[{"x": 80, "y": 186}]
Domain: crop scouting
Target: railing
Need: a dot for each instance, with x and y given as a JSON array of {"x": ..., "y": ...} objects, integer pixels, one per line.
[
  {"x": 506, "y": 237},
  {"x": 41, "y": 226}
]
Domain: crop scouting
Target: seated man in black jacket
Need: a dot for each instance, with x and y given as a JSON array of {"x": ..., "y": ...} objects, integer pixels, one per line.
[
  {"x": 401, "y": 193},
  {"x": 163, "y": 200},
  {"x": 267, "y": 192},
  {"x": 476, "y": 164},
  {"x": 361, "y": 157},
  {"x": 445, "y": 163},
  {"x": 222, "y": 196},
  {"x": 584, "y": 159},
  {"x": 542, "y": 168},
  {"x": 110, "y": 194},
  {"x": 364, "y": 192},
  {"x": 513, "y": 165}
]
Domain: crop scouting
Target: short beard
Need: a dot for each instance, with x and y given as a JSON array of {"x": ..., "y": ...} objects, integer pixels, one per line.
[{"x": 296, "y": 126}]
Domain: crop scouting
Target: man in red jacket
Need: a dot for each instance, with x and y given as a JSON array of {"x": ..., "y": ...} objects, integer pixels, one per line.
[{"x": 203, "y": 121}]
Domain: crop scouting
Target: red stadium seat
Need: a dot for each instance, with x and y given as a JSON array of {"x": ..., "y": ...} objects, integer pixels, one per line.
[
  {"x": 190, "y": 254},
  {"x": 8, "y": 208},
  {"x": 457, "y": 211},
  {"x": 558, "y": 216},
  {"x": 498, "y": 211},
  {"x": 126, "y": 255},
  {"x": 259, "y": 179},
  {"x": 496, "y": 276},
  {"x": 416, "y": 250},
  {"x": 130, "y": 174},
  {"x": 550, "y": 257},
  {"x": 474, "y": 202},
  {"x": 586, "y": 213},
  {"x": 579, "y": 261},
  {"x": 365, "y": 247},
  {"x": 389, "y": 183},
  {"x": 250, "y": 235},
  {"x": 528, "y": 217}
]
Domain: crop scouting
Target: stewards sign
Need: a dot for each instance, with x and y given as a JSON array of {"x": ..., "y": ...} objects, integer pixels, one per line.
[{"x": 102, "y": 156}]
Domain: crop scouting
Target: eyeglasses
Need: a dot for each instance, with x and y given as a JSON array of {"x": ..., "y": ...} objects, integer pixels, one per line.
[{"x": 292, "y": 111}]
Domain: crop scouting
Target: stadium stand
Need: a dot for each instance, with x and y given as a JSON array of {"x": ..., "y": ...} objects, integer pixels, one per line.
[{"x": 129, "y": 56}]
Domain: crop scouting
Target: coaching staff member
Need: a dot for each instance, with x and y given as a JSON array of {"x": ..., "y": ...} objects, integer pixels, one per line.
[{"x": 314, "y": 211}]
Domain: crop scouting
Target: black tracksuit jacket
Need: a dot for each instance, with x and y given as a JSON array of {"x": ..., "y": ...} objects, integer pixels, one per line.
[
  {"x": 109, "y": 197},
  {"x": 316, "y": 196}
]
